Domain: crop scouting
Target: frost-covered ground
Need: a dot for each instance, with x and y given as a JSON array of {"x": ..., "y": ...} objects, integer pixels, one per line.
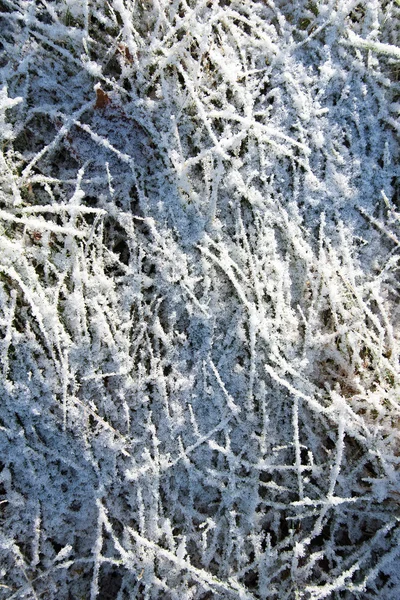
[{"x": 199, "y": 299}]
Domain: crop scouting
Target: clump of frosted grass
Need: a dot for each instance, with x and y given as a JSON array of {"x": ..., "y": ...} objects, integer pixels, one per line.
[{"x": 199, "y": 251}]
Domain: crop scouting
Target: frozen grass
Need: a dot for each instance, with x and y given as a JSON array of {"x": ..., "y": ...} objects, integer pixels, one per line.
[{"x": 199, "y": 295}]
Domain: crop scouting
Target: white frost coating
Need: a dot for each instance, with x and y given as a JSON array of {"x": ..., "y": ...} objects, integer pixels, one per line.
[
  {"x": 199, "y": 321},
  {"x": 92, "y": 67},
  {"x": 374, "y": 46},
  {"x": 6, "y": 103}
]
